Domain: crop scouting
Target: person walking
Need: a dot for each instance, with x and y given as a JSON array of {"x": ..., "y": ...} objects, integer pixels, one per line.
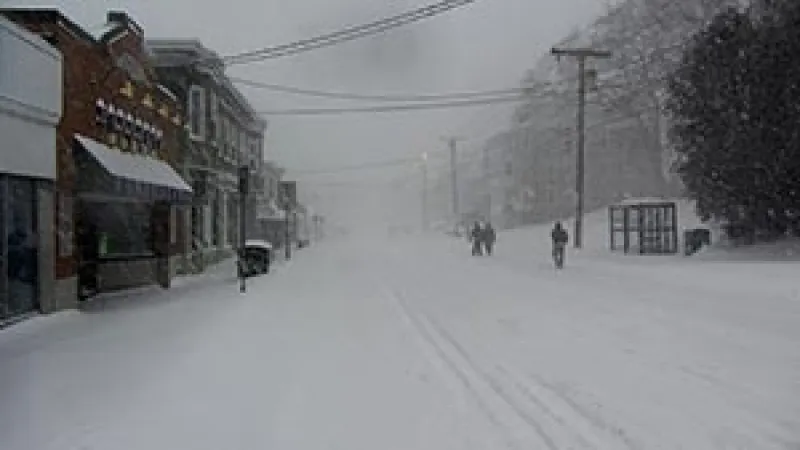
[
  {"x": 489, "y": 238},
  {"x": 477, "y": 239},
  {"x": 560, "y": 238}
]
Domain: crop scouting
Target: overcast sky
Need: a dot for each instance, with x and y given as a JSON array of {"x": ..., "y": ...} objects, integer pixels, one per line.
[{"x": 486, "y": 45}]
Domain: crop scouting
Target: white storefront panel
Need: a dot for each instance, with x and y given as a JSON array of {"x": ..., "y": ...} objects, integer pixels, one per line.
[
  {"x": 30, "y": 108},
  {"x": 30, "y": 102}
]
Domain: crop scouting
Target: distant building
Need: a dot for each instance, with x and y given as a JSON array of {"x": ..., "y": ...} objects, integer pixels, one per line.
[{"x": 270, "y": 219}]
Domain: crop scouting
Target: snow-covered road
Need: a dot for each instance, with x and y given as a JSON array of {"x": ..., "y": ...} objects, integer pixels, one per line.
[{"x": 412, "y": 344}]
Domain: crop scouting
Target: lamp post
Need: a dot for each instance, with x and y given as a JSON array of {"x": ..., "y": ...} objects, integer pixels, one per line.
[{"x": 244, "y": 182}]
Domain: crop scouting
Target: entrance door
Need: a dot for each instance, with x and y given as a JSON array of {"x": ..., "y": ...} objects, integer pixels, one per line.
[{"x": 22, "y": 247}]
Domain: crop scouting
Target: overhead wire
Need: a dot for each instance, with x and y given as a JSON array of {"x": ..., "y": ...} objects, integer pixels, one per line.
[
  {"x": 600, "y": 124},
  {"x": 396, "y": 108},
  {"x": 346, "y": 34},
  {"x": 390, "y": 108},
  {"x": 356, "y": 167},
  {"x": 530, "y": 92},
  {"x": 376, "y": 97},
  {"x": 477, "y": 157}
]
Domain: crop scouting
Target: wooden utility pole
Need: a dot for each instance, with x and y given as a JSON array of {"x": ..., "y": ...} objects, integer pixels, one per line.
[
  {"x": 453, "y": 144},
  {"x": 424, "y": 192},
  {"x": 582, "y": 54},
  {"x": 454, "y": 176},
  {"x": 487, "y": 184}
]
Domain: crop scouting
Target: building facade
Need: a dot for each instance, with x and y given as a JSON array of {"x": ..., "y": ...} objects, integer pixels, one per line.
[
  {"x": 118, "y": 199},
  {"x": 224, "y": 133},
  {"x": 30, "y": 108},
  {"x": 270, "y": 219}
]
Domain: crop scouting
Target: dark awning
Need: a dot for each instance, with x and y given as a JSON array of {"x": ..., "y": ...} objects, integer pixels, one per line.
[{"x": 132, "y": 175}]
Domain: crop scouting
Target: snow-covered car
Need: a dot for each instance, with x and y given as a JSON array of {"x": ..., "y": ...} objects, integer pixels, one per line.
[{"x": 257, "y": 257}]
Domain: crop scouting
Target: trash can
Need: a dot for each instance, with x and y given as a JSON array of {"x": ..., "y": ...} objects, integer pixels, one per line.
[{"x": 694, "y": 239}]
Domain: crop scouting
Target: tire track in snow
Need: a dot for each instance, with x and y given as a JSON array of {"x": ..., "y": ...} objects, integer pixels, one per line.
[
  {"x": 472, "y": 376},
  {"x": 536, "y": 423},
  {"x": 577, "y": 427},
  {"x": 429, "y": 339},
  {"x": 566, "y": 411}
]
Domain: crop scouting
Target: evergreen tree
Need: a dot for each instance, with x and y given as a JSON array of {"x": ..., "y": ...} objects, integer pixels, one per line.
[{"x": 734, "y": 107}]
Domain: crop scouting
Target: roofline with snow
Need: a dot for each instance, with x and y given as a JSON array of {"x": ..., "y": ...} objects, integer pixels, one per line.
[
  {"x": 194, "y": 48},
  {"x": 48, "y": 15}
]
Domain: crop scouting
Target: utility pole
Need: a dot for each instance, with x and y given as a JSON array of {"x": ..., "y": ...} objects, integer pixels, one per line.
[
  {"x": 453, "y": 143},
  {"x": 582, "y": 54},
  {"x": 288, "y": 196},
  {"x": 454, "y": 176},
  {"x": 288, "y": 235},
  {"x": 487, "y": 184},
  {"x": 424, "y": 192}
]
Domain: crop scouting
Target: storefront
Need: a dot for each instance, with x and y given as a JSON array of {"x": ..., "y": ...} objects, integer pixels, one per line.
[
  {"x": 30, "y": 107},
  {"x": 127, "y": 208}
]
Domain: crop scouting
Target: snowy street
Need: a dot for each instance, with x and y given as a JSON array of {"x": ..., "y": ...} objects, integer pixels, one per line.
[{"x": 413, "y": 344}]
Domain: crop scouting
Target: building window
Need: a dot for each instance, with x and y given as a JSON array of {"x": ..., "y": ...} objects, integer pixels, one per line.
[
  {"x": 147, "y": 138},
  {"x": 138, "y": 135},
  {"x": 233, "y": 221},
  {"x": 118, "y": 120},
  {"x": 18, "y": 289},
  {"x": 213, "y": 117},
  {"x": 101, "y": 113},
  {"x": 64, "y": 225},
  {"x": 121, "y": 229},
  {"x": 173, "y": 225},
  {"x": 216, "y": 218},
  {"x": 159, "y": 138},
  {"x": 241, "y": 148},
  {"x": 231, "y": 133},
  {"x": 197, "y": 112},
  {"x": 223, "y": 138}
]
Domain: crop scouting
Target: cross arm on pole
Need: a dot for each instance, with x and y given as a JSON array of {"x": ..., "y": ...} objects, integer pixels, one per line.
[{"x": 580, "y": 52}]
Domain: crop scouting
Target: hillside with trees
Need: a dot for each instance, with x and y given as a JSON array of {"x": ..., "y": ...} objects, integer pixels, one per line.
[{"x": 627, "y": 153}]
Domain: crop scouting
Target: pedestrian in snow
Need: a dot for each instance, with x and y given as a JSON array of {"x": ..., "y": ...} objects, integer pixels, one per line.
[
  {"x": 489, "y": 238},
  {"x": 560, "y": 238},
  {"x": 476, "y": 235}
]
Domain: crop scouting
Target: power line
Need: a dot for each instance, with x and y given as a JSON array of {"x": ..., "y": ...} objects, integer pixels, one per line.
[
  {"x": 358, "y": 167},
  {"x": 391, "y": 108},
  {"x": 377, "y": 97},
  {"x": 467, "y": 102},
  {"x": 346, "y": 34}
]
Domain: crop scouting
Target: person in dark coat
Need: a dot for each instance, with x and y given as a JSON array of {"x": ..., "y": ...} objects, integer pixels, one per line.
[
  {"x": 560, "y": 238},
  {"x": 489, "y": 238},
  {"x": 476, "y": 235}
]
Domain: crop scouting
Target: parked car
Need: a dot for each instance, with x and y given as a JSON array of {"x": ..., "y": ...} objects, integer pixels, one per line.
[{"x": 258, "y": 256}]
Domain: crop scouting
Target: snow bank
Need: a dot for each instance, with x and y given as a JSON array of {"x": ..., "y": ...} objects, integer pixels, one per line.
[{"x": 596, "y": 237}]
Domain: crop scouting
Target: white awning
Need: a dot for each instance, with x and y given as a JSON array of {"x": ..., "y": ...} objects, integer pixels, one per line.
[{"x": 140, "y": 168}]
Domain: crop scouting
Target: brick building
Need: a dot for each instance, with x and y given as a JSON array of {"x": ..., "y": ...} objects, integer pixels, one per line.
[{"x": 117, "y": 220}]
